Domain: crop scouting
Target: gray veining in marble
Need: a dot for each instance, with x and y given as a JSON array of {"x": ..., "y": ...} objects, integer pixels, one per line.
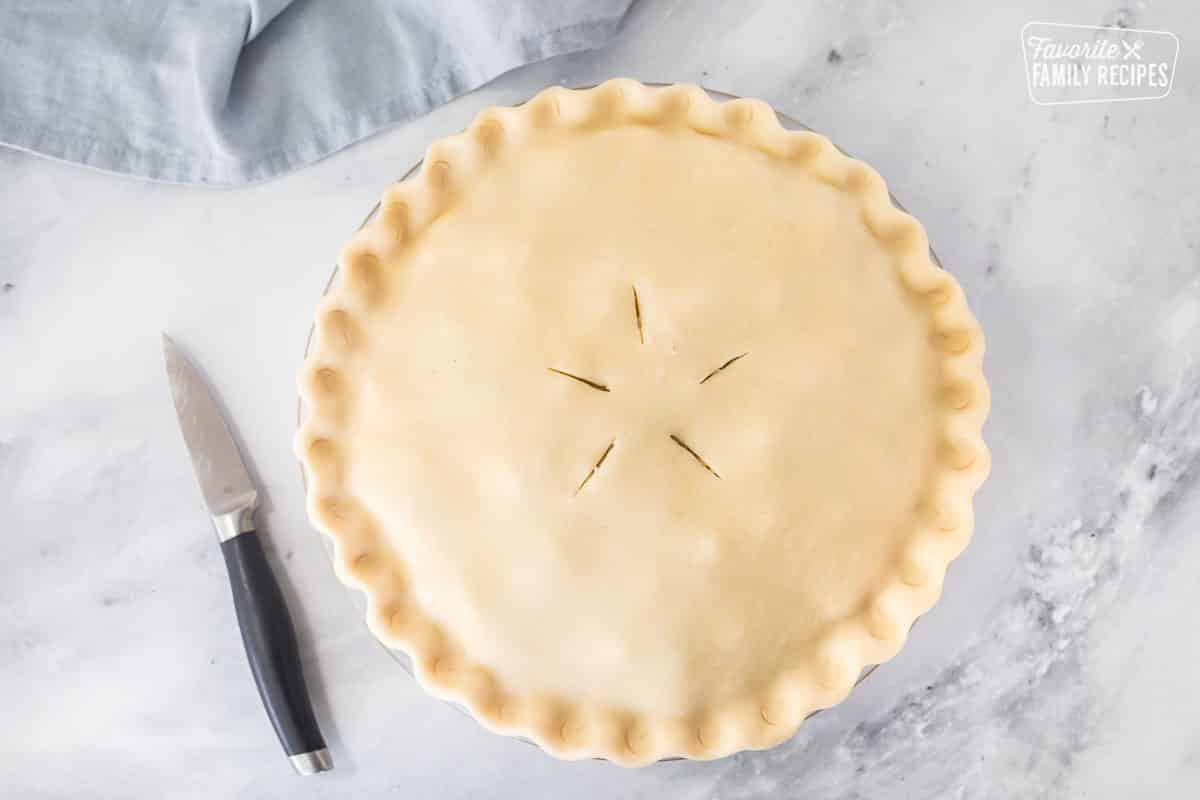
[{"x": 1060, "y": 662}]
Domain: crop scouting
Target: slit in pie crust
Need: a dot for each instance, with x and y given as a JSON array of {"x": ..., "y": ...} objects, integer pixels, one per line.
[{"x": 644, "y": 423}]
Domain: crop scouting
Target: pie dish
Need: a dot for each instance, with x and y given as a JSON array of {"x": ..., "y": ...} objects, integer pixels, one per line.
[{"x": 643, "y": 423}]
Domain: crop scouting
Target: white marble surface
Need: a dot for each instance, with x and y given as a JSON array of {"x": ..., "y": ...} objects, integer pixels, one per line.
[{"x": 1060, "y": 662}]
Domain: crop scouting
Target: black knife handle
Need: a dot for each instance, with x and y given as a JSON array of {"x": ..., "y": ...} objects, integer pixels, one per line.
[{"x": 270, "y": 641}]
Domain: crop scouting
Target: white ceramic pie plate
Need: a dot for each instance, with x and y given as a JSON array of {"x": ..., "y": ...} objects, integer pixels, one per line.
[{"x": 359, "y": 598}]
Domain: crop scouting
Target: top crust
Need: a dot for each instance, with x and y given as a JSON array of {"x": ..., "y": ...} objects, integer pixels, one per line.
[{"x": 510, "y": 580}]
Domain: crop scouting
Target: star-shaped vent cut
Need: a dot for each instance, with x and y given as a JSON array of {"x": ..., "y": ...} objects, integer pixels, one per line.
[{"x": 601, "y": 386}]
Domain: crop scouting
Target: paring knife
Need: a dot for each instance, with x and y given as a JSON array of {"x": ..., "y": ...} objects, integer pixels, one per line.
[{"x": 262, "y": 614}]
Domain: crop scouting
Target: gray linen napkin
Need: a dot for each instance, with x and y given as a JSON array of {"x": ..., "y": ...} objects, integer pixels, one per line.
[{"x": 226, "y": 92}]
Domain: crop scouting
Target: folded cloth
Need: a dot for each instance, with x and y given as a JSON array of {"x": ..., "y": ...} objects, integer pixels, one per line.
[{"x": 226, "y": 92}]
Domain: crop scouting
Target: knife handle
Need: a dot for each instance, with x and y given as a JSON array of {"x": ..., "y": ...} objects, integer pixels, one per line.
[{"x": 271, "y": 649}]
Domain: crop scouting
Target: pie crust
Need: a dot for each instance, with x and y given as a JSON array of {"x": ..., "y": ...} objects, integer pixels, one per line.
[{"x": 644, "y": 423}]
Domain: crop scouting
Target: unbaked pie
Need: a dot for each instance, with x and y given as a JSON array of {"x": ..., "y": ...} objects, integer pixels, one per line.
[{"x": 643, "y": 423}]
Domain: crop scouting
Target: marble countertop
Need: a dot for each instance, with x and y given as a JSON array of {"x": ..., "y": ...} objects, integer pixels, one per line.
[{"x": 1060, "y": 662}]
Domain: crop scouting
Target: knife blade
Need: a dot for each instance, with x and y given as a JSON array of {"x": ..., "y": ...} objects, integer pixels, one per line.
[
  {"x": 267, "y": 631},
  {"x": 224, "y": 480}
]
